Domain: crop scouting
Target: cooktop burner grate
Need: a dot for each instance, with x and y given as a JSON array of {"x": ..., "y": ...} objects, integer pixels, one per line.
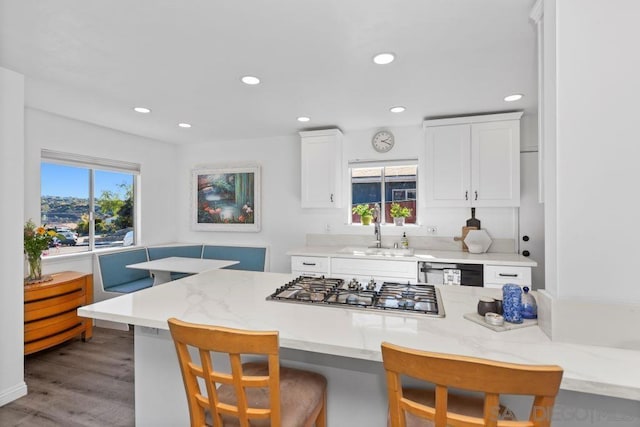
[{"x": 420, "y": 299}]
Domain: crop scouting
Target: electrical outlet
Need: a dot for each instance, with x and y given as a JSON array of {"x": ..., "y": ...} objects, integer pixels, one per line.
[
  {"x": 432, "y": 229},
  {"x": 327, "y": 228}
]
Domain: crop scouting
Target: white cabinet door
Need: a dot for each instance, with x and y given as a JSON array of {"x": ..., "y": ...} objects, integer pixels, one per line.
[
  {"x": 473, "y": 161},
  {"x": 449, "y": 171},
  {"x": 375, "y": 268},
  {"x": 321, "y": 162},
  {"x": 495, "y": 164}
]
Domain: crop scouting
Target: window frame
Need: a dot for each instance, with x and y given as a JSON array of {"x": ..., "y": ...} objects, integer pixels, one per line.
[
  {"x": 92, "y": 164},
  {"x": 361, "y": 164}
]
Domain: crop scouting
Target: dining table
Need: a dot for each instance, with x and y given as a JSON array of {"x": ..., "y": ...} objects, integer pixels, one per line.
[{"x": 162, "y": 268}]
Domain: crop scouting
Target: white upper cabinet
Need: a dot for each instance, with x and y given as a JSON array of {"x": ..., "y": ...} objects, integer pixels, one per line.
[
  {"x": 473, "y": 161},
  {"x": 321, "y": 161}
]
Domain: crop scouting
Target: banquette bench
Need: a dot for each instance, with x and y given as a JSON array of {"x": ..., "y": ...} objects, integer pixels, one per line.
[{"x": 113, "y": 278}]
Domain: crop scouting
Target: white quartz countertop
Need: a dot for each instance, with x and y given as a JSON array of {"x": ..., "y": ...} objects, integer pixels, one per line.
[
  {"x": 237, "y": 299},
  {"x": 489, "y": 258}
]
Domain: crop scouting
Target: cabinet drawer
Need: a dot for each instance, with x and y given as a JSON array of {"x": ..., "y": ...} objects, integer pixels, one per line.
[
  {"x": 375, "y": 268},
  {"x": 36, "y": 294},
  {"x": 501, "y": 274},
  {"x": 310, "y": 264},
  {"x": 53, "y": 306}
]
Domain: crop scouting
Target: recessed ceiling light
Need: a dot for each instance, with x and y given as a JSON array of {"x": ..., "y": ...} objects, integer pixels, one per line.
[
  {"x": 143, "y": 110},
  {"x": 384, "y": 58},
  {"x": 184, "y": 125},
  {"x": 514, "y": 97},
  {"x": 303, "y": 119},
  {"x": 250, "y": 80},
  {"x": 397, "y": 109}
]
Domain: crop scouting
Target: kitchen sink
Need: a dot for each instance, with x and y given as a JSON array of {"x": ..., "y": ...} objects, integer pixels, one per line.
[{"x": 390, "y": 252}]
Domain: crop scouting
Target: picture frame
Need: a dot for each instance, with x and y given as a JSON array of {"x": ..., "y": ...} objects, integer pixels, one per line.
[{"x": 226, "y": 198}]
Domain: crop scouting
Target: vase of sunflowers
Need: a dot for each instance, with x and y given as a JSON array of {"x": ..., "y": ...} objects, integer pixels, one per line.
[{"x": 36, "y": 240}]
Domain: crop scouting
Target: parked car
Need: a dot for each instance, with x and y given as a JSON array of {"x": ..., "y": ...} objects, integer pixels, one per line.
[
  {"x": 128, "y": 239},
  {"x": 67, "y": 238}
]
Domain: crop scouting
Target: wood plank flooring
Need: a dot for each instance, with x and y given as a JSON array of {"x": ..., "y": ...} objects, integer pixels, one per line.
[{"x": 78, "y": 384}]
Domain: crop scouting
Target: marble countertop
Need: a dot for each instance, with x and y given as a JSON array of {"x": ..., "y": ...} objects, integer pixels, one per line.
[
  {"x": 235, "y": 298},
  {"x": 489, "y": 258}
]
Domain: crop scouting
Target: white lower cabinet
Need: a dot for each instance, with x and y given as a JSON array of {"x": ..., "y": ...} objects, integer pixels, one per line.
[
  {"x": 310, "y": 266},
  {"x": 495, "y": 276},
  {"x": 380, "y": 270}
]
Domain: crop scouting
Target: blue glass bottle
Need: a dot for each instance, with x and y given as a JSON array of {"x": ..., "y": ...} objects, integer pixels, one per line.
[{"x": 529, "y": 305}]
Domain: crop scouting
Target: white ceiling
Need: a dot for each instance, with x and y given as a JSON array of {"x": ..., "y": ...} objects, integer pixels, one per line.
[{"x": 95, "y": 60}]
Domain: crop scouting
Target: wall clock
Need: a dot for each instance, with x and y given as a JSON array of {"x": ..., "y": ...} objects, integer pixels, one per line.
[{"x": 382, "y": 141}]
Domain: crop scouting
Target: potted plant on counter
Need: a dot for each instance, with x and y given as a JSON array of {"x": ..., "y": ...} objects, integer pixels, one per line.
[
  {"x": 365, "y": 212},
  {"x": 399, "y": 213}
]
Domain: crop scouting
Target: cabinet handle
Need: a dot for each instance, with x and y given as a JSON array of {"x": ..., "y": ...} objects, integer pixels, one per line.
[
  {"x": 308, "y": 263},
  {"x": 476, "y": 194},
  {"x": 526, "y": 253},
  {"x": 331, "y": 198},
  {"x": 507, "y": 275},
  {"x": 466, "y": 195}
]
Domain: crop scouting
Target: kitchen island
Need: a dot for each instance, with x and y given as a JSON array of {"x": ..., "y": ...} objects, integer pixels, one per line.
[{"x": 344, "y": 345}]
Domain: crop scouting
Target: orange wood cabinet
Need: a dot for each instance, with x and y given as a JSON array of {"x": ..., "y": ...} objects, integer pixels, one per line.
[{"x": 50, "y": 310}]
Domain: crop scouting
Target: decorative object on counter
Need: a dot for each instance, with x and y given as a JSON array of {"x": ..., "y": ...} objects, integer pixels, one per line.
[
  {"x": 365, "y": 212},
  {"x": 473, "y": 221},
  {"x": 512, "y": 303},
  {"x": 498, "y": 306},
  {"x": 529, "y": 305},
  {"x": 226, "y": 198},
  {"x": 494, "y": 319},
  {"x": 506, "y": 326},
  {"x": 36, "y": 241},
  {"x": 478, "y": 241},
  {"x": 487, "y": 305},
  {"x": 465, "y": 232},
  {"x": 399, "y": 213},
  {"x": 404, "y": 241}
]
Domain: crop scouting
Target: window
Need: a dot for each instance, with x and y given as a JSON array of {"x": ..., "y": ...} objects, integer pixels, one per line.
[
  {"x": 385, "y": 183},
  {"x": 89, "y": 202}
]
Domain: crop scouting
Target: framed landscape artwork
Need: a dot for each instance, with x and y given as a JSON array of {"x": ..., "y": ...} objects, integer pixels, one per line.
[{"x": 226, "y": 198}]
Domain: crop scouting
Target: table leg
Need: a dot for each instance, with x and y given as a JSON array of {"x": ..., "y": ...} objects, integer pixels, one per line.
[{"x": 160, "y": 277}]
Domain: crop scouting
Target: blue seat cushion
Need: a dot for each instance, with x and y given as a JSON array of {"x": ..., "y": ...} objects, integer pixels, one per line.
[
  {"x": 176, "y": 276},
  {"x": 133, "y": 286},
  {"x": 190, "y": 251},
  {"x": 249, "y": 258},
  {"x": 114, "y": 271}
]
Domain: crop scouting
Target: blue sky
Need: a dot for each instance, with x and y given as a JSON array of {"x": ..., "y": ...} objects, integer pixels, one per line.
[{"x": 69, "y": 181}]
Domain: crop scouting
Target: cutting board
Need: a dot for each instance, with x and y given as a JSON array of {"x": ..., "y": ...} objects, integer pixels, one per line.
[
  {"x": 465, "y": 231},
  {"x": 473, "y": 221}
]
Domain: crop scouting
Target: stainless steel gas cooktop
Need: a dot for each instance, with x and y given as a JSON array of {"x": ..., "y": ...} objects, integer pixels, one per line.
[{"x": 419, "y": 299}]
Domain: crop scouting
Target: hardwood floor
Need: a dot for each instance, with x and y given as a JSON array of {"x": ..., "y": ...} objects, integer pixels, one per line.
[{"x": 78, "y": 384}]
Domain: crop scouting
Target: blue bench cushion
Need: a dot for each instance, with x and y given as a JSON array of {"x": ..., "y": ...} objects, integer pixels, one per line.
[
  {"x": 136, "y": 285},
  {"x": 176, "y": 276},
  {"x": 252, "y": 259},
  {"x": 190, "y": 251},
  {"x": 114, "y": 271}
]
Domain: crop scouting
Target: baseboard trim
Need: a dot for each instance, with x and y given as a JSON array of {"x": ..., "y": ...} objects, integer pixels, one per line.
[{"x": 13, "y": 393}]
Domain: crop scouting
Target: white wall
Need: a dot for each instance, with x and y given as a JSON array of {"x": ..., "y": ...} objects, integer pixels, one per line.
[
  {"x": 158, "y": 168},
  {"x": 12, "y": 383},
  {"x": 285, "y": 224},
  {"x": 597, "y": 149}
]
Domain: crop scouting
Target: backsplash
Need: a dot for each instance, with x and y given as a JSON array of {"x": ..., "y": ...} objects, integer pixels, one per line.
[{"x": 416, "y": 242}]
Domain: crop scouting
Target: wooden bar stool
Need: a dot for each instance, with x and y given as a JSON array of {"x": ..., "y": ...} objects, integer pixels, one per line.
[
  {"x": 260, "y": 393},
  {"x": 416, "y": 407}
]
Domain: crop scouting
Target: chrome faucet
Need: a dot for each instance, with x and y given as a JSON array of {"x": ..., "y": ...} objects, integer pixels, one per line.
[{"x": 376, "y": 223}]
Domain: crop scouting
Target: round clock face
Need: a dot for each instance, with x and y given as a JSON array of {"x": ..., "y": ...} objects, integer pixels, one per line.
[{"x": 382, "y": 141}]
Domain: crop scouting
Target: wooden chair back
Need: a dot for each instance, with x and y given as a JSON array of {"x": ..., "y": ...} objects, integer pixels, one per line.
[
  {"x": 235, "y": 343},
  {"x": 472, "y": 374}
]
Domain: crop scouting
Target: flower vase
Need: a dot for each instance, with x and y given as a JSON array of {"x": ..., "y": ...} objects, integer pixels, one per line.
[
  {"x": 35, "y": 268},
  {"x": 399, "y": 220},
  {"x": 366, "y": 219}
]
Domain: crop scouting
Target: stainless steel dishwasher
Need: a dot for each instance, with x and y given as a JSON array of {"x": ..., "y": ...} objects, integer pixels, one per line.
[{"x": 451, "y": 273}]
